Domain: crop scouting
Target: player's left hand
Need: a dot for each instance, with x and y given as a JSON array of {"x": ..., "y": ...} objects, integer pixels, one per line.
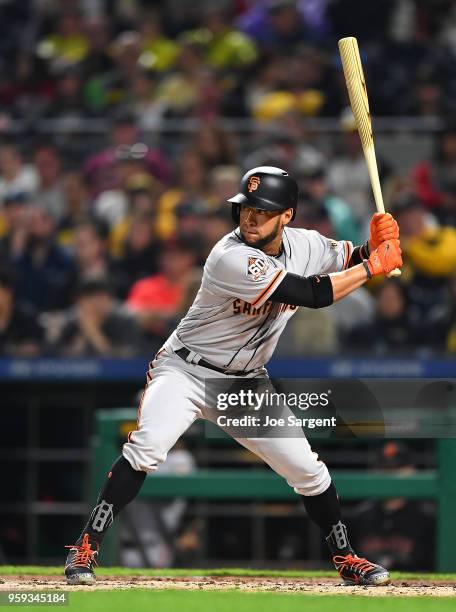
[{"x": 383, "y": 226}]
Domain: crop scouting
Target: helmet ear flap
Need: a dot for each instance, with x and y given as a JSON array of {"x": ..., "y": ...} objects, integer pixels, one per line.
[{"x": 236, "y": 212}]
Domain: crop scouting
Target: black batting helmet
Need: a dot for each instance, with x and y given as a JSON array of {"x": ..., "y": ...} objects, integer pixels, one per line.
[{"x": 266, "y": 188}]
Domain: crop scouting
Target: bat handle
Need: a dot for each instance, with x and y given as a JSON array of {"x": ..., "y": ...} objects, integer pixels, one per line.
[{"x": 375, "y": 181}]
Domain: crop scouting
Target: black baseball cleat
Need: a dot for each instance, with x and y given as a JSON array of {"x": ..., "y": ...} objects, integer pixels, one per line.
[
  {"x": 353, "y": 569},
  {"x": 357, "y": 570},
  {"x": 80, "y": 562}
]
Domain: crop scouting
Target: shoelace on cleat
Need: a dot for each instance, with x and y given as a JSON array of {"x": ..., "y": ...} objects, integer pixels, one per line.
[
  {"x": 84, "y": 554},
  {"x": 359, "y": 565}
]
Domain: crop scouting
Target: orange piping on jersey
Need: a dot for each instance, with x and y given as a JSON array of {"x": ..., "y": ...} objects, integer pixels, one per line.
[
  {"x": 148, "y": 380},
  {"x": 348, "y": 254},
  {"x": 138, "y": 414},
  {"x": 344, "y": 265},
  {"x": 266, "y": 289}
]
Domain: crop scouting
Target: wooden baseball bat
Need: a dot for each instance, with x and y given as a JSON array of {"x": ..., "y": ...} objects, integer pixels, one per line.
[{"x": 356, "y": 85}]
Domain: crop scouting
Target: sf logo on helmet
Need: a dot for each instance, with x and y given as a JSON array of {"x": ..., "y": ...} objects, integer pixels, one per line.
[{"x": 254, "y": 181}]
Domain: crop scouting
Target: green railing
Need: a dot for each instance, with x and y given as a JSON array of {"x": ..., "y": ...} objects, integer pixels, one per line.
[{"x": 257, "y": 484}]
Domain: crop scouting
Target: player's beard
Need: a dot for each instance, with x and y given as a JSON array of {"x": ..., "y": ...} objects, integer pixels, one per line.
[{"x": 263, "y": 242}]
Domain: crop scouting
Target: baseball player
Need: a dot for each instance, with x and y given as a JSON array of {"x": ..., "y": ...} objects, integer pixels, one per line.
[{"x": 253, "y": 280}]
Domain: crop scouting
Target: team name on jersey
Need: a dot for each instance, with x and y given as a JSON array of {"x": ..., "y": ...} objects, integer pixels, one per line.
[
  {"x": 285, "y": 307},
  {"x": 242, "y": 307}
]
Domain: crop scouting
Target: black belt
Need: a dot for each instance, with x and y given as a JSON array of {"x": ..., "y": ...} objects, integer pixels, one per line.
[{"x": 183, "y": 353}]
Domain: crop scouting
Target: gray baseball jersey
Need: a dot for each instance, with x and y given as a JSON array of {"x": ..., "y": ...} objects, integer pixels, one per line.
[{"x": 232, "y": 323}]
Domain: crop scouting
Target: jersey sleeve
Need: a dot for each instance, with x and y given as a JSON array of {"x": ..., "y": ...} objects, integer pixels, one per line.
[
  {"x": 246, "y": 274},
  {"x": 334, "y": 255}
]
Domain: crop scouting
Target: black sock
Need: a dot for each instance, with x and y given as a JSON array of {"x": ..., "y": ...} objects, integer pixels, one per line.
[
  {"x": 324, "y": 510},
  {"x": 121, "y": 487}
]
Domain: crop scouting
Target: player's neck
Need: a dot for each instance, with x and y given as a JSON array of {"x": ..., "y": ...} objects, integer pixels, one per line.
[{"x": 275, "y": 247}]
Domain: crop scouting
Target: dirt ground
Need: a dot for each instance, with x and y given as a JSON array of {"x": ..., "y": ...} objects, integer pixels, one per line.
[{"x": 327, "y": 586}]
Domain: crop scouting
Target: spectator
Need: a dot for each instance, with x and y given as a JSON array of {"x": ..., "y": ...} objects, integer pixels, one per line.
[
  {"x": 191, "y": 188},
  {"x": 112, "y": 205},
  {"x": 429, "y": 99},
  {"x": 313, "y": 215},
  {"x": 97, "y": 325},
  {"x": 77, "y": 206},
  {"x": 13, "y": 16},
  {"x": 91, "y": 249},
  {"x": 314, "y": 186},
  {"x": 28, "y": 90},
  {"x": 269, "y": 79},
  {"x": 16, "y": 177},
  {"x": 179, "y": 91},
  {"x": 304, "y": 88},
  {"x": 140, "y": 254},
  {"x": 441, "y": 327},
  {"x": 143, "y": 101},
  {"x": 213, "y": 98},
  {"x": 190, "y": 226},
  {"x": 278, "y": 26},
  {"x": 68, "y": 103},
  {"x": 157, "y": 300},
  {"x": 399, "y": 532},
  {"x": 98, "y": 60},
  {"x": 133, "y": 52},
  {"x": 50, "y": 190},
  {"x": 435, "y": 180},
  {"x": 393, "y": 330},
  {"x": 215, "y": 224},
  {"x": 224, "y": 46},
  {"x": 125, "y": 145},
  {"x": 287, "y": 146},
  {"x": 66, "y": 46},
  {"x": 20, "y": 333},
  {"x": 197, "y": 90},
  {"x": 214, "y": 145},
  {"x": 348, "y": 177},
  {"x": 309, "y": 332},
  {"x": 158, "y": 52},
  {"x": 12, "y": 223},
  {"x": 430, "y": 252},
  {"x": 44, "y": 269},
  {"x": 108, "y": 90},
  {"x": 357, "y": 310},
  {"x": 429, "y": 247},
  {"x": 224, "y": 180},
  {"x": 141, "y": 193}
]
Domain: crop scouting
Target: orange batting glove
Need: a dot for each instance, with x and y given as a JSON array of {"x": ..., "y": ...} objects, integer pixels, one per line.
[
  {"x": 383, "y": 226},
  {"x": 384, "y": 259}
]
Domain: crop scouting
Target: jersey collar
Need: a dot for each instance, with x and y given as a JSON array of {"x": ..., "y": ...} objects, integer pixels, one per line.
[{"x": 286, "y": 243}]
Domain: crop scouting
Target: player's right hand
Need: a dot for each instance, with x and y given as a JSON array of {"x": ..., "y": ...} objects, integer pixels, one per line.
[{"x": 385, "y": 258}]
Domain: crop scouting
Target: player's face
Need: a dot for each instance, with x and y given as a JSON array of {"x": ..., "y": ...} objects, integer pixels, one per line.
[{"x": 261, "y": 228}]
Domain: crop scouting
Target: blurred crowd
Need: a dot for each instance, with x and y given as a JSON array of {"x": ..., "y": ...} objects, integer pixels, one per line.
[{"x": 103, "y": 234}]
